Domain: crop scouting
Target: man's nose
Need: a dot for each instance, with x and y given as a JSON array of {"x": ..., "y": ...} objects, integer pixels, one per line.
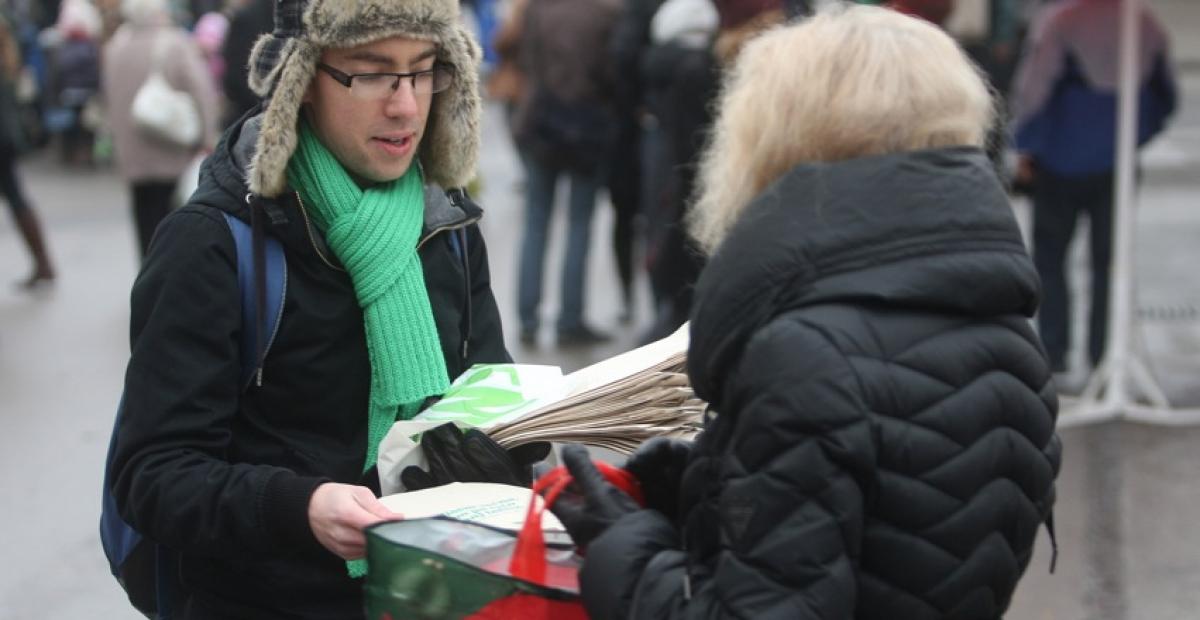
[{"x": 401, "y": 102}]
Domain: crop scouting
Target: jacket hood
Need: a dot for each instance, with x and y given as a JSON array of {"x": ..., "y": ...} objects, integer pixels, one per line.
[{"x": 929, "y": 230}]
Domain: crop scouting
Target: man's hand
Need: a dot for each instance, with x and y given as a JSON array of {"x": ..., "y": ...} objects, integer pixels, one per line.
[{"x": 337, "y": 514}]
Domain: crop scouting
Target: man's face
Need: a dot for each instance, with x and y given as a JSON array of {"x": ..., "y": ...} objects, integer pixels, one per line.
[{"x": 375, "y": 140}]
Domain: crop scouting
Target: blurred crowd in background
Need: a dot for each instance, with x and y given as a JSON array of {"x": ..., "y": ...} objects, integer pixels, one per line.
[{"x": 633, "y": 80}]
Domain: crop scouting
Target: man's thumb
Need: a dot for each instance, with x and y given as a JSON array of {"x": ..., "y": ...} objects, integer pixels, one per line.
[{"x": 371, "y": 504}]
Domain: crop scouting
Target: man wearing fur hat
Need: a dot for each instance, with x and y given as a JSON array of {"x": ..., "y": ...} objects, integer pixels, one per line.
[{"x": 370, "y": 110}]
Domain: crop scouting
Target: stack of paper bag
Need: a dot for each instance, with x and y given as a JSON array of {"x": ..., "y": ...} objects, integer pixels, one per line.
[{"x": 617, "y": 404}]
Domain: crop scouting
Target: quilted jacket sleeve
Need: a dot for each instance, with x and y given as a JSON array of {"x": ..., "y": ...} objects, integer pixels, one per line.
[{"x": 779, "y": 523}]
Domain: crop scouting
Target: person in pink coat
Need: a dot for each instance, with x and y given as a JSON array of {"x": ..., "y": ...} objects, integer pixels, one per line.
[{"x": 150, "y": 165}]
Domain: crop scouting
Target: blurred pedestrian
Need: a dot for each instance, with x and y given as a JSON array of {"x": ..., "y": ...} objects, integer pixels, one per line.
[
  {"x": 31, "y": 83},
  {"x": 12, "y": 142},
  {"x": 250, "y": 21},
  {"x": 75, "y": 78},
  {"x": 506, "y": 82},
  {"x": 624, "y": 169},
  {"x": 680, "y": 76},
  {"x": 353, "y": 164},
  {"x": 1066, "y": 105},
  {"x": 881, "y": 439},
  {"x": 148, "y": 41},
  {"x": 209, "y": 36},
  {"x": 482, "y": 14},
  {"x": 632, "y": 179},
  {"x": 691, "y": 43},
  {"x": 563, "y": 128},
  {"x": 999, "y": 59}
]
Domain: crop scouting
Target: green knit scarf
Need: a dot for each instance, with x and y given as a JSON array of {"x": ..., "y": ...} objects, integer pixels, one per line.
[{"x": 374, "y": 233}]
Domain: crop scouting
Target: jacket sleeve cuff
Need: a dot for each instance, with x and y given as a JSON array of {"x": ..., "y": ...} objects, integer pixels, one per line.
[
  {"x": 285, "y": 510},
  {"x": 617, "y": 558}
]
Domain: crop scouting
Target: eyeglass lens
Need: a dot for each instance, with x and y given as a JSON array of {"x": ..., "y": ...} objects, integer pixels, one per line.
[{"x": 381, "y": 86}]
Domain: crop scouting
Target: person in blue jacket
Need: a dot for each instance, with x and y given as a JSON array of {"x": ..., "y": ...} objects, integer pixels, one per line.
[{"x": 1066, "y": 109}]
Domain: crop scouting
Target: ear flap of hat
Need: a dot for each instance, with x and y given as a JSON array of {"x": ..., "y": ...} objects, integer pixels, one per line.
[
  {"x": 450, "y": 147},
  {"x": 265, "y": 62},
  {"x": 267, "y": 175}
]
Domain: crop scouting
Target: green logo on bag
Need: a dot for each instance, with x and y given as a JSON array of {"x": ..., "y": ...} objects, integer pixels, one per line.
[
  {"x": 490, "y": 394},
  {"x": 485, "y": 394}
]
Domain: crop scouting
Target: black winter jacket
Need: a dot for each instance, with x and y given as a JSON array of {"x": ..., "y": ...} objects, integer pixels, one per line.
[
  {"x": 224, "y": 477},
  {"x": 885, "y": 444}
]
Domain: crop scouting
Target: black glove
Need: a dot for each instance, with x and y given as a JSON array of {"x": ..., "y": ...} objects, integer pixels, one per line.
[
  {"x": 658, "y": 465},
  {"x": 590, "y": 504},
  {"x": 455, "y": 456}
]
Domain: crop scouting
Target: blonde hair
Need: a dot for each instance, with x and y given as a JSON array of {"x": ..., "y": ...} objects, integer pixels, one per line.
[{"x": 849, "y": 82}]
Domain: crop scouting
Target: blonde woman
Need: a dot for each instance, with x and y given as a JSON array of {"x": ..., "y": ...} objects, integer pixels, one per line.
[{"x": 881, "y": 440}]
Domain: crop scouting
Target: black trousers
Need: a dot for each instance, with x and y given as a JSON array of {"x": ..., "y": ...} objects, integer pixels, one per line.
[
  {"x": 624, "y": 191},
  {"x": 10, "y": 185},
  {"x": 1057, "y": 204},
  {"x": 151, "y": 203}
]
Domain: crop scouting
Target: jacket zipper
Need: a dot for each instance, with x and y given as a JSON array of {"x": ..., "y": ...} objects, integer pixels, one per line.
[
  {"x": 275, "y": 329},
  {"x": 455, "y": 198},
  {"x": 466, "y": 330}
]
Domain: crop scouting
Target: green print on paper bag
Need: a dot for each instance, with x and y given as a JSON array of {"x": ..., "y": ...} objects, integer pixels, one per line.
[{"x": 489, "y": 394}]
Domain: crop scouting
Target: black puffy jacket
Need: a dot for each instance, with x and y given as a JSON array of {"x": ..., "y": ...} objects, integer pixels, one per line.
[
  {"x": 885, "y": 444},
  {"x": 224, "y": 477}
]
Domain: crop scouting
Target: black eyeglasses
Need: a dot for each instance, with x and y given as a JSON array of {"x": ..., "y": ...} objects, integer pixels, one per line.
[{"x": 377, "y": 86}]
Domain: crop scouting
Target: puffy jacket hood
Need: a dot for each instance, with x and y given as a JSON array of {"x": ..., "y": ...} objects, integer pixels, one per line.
[{"x": 927, "y": 229}]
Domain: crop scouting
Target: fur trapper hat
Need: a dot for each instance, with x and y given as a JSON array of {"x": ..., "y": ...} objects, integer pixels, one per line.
[{"x": 284, "y": 62}]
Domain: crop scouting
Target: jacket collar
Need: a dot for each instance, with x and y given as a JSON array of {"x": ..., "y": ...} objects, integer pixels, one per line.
[{"x": 929, "y": 230}]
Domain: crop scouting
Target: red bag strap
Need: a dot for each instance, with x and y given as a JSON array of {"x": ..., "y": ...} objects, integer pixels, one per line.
[
  {"x": 529, "y": 556},
  {"x": 622, "y": 479}
]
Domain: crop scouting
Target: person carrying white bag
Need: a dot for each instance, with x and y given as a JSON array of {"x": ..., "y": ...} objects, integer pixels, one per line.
[{"x": 161, "y": 105}]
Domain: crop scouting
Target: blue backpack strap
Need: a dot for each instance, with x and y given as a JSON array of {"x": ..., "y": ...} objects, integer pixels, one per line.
[
  {"x": 276, "y": 271},
  {"x": 458, "y": 245},
  {"x": 165, "y": 562},
  {"x": 119, "y": 539}
]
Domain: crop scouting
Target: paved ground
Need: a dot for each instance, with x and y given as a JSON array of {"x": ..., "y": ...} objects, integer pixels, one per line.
[{"x": 1129, "y": 548}]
